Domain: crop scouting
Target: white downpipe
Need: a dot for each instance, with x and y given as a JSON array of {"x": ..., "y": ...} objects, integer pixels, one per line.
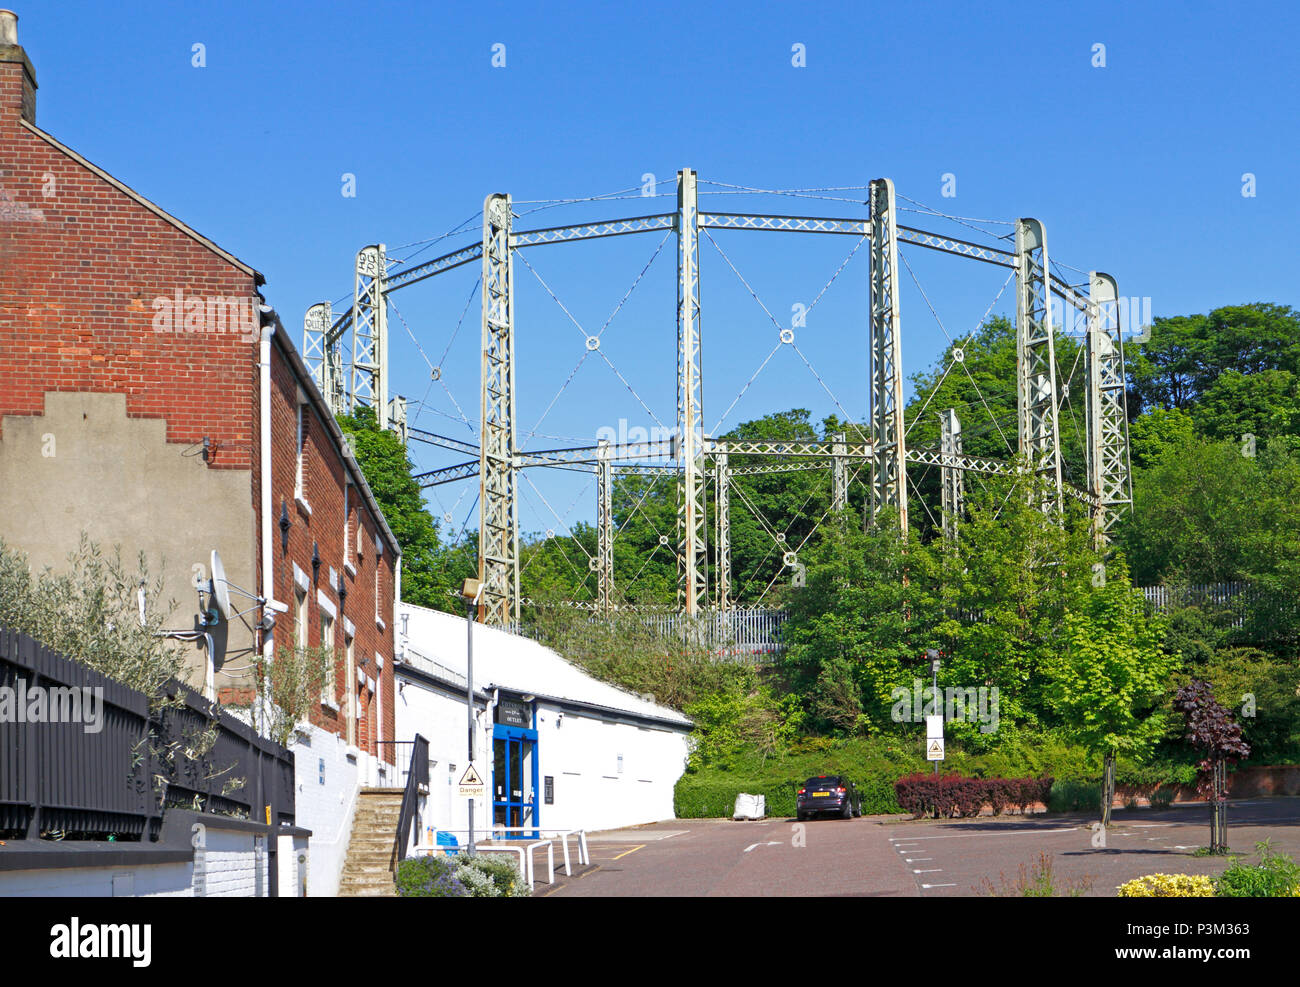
[{"x": 268, "y": 576}]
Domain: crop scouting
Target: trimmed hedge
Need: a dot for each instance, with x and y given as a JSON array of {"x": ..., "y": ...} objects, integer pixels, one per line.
[
  {"x": 951, "y": 795},
  {"x": 698, "y": 798}
]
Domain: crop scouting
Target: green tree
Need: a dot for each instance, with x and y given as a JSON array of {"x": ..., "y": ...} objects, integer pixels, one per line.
[
  {"x": 1186, "y": 355},
  {"x": 1108, "y": 678},
  {"x": 861, "y": 625}
]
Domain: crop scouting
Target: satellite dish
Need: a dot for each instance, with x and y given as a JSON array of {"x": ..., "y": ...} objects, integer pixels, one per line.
[{"x": 220, "y": 590}]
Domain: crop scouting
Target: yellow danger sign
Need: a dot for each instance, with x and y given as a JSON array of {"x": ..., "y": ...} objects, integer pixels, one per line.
[
  {"x": 934, "y": 749},
  {"x": 471, "y": 784}
]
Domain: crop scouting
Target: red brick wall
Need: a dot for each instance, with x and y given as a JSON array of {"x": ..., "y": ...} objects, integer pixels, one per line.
[
  {"x": 323, "y": 528},
  {"x": 81, "y": 264}
]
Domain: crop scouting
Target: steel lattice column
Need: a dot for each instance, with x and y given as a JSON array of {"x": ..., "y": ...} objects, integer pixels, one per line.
[
  {"x": 1036, "y": 359},
  {"x": 889, "y": 463},
  {"x": 952, "y": 477},
  {"x": 322, "y": 357},
  {"x": 604, "y": 560},
  {"x": 370, "y": 333},
  {"x": 692, "y": 579},
  {"x": 722, "y": 521},
  {"x": 839, "y": 473},
  {"x": 1109, "y": 475},
  {"x": 498, "y": 534},
  {"x": 397, "y": 417}
]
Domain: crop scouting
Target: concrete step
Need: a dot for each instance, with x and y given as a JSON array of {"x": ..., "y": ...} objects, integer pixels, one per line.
[
  {"x": 390, "y": 891},
  {"x": 367, "y": 861},
  {"x": 365, "y": 882}
]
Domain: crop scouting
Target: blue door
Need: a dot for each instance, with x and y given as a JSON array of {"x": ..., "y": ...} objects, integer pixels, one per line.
[{"x": 514, "y": 780}]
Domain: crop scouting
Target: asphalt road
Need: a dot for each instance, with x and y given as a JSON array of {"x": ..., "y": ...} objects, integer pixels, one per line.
[{"x": 891, "y": 856}]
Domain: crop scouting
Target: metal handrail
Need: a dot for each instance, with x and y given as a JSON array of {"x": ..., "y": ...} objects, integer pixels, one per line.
[{"x": 417, "y": 775}]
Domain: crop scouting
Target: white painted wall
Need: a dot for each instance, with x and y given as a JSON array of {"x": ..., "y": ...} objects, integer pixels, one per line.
[
  {"x": 327, "y": 808},
  {"x": 154, "y": 881},
  {"x": 231, "y": 865},
  {"x": 582, "y": 753},
  {"x": 440, "y": 719},
  {"x": 229, "y": 860},
  {"x": 579, "y": 751}
]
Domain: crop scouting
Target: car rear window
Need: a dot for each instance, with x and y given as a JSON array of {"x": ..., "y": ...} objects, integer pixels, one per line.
[{"x": 822, "y": 784}]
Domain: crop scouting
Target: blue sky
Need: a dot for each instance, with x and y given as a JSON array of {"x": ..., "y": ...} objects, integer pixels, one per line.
[{"x": 1135, "y": 168}]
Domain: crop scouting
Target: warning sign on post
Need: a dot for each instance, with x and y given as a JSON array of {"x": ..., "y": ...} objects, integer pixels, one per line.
[
  {"x": 934, "y": 749},
  {"x": 471, "y": 784}
]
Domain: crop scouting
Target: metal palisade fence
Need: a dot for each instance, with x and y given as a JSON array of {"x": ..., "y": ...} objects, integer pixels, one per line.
[{"x": 85, "y": 757}]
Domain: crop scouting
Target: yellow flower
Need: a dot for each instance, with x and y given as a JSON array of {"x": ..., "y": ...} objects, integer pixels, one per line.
[{"x": 1168, "y": 886}]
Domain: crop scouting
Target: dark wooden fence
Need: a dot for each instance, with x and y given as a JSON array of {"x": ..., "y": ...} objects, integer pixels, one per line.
[{"x": 114, "y": 777}]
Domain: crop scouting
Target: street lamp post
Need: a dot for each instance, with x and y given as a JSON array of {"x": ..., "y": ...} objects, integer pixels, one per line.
[
  {"x": 471, "y": 590},
  {"x": 933, "y": 655}
]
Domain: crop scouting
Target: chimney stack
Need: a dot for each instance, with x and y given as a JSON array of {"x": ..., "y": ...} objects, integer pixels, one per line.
[{"x": 17, "y": 77}]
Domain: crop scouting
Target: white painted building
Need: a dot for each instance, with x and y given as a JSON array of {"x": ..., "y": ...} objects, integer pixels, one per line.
[{"x": 557, "y": 748}]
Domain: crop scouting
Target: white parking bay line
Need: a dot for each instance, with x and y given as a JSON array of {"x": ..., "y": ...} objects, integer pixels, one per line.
[
  {"x": 931, "y": 870},
  {"x": 938, "y": 885},
  {"x": 917, "y": 860},
  {"x": 1017, "y": 832}
]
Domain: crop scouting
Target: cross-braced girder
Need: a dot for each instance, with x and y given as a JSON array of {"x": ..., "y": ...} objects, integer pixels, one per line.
[
  {"x": 1109, "y": 474},
  {"x": 498, "y": 504},
  {"x": 951, "y": 476},
  {"x": 886, "y": 453},
  {"x": 370, "y": 333},
  {"x": 889, "y": 469},
  {"x": 692, "y": 581},
  {"x": 604, "y": 531},
  {"x": 1036, "y": 360}
]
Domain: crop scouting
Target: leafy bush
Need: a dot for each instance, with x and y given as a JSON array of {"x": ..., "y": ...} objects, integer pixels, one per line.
[
  {"x": 429, "y": 877},
  {"x": 490, "y": 875},
  {"x": 1275, "y": 876},
  {"x": 1163, "y": 797},
  {"x": 727, "y": 724},
  {"x": 1074, "y": 796},
  {"x": 89, "y": 611},
  {"x": 1168, "y": 886}
]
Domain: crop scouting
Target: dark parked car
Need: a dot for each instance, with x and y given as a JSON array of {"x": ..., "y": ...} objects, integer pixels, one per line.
[{"x": 827, "y": 794}]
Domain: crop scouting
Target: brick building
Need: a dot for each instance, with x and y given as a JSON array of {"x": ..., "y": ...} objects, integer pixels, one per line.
[{"x": 150, "y": 399}]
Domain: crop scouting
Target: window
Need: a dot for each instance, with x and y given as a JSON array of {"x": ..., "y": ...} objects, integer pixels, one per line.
[
  {"x": 352, "y": 703},
  {"x": 347, "y": 530},
  {"x": 300, "y": 467},
  {"x": 300, "y": 614},
  {"x": 379, "y": 619},
  {"x": 327, "y": 641}
]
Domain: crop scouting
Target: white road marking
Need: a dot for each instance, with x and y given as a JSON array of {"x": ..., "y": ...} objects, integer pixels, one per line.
[
  {"x": 938, "y": 885},
  {"x": 768, "y": 843},
  {"x": 1018, "y": 832},
  {"x": 931, "y": 870},
  {"x": 917, "y": 860}
]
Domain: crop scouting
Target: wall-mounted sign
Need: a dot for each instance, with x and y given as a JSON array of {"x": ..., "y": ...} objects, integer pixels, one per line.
[
  {"x": 549, "y": 789},
  {"x": 513, "y": 713}
]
